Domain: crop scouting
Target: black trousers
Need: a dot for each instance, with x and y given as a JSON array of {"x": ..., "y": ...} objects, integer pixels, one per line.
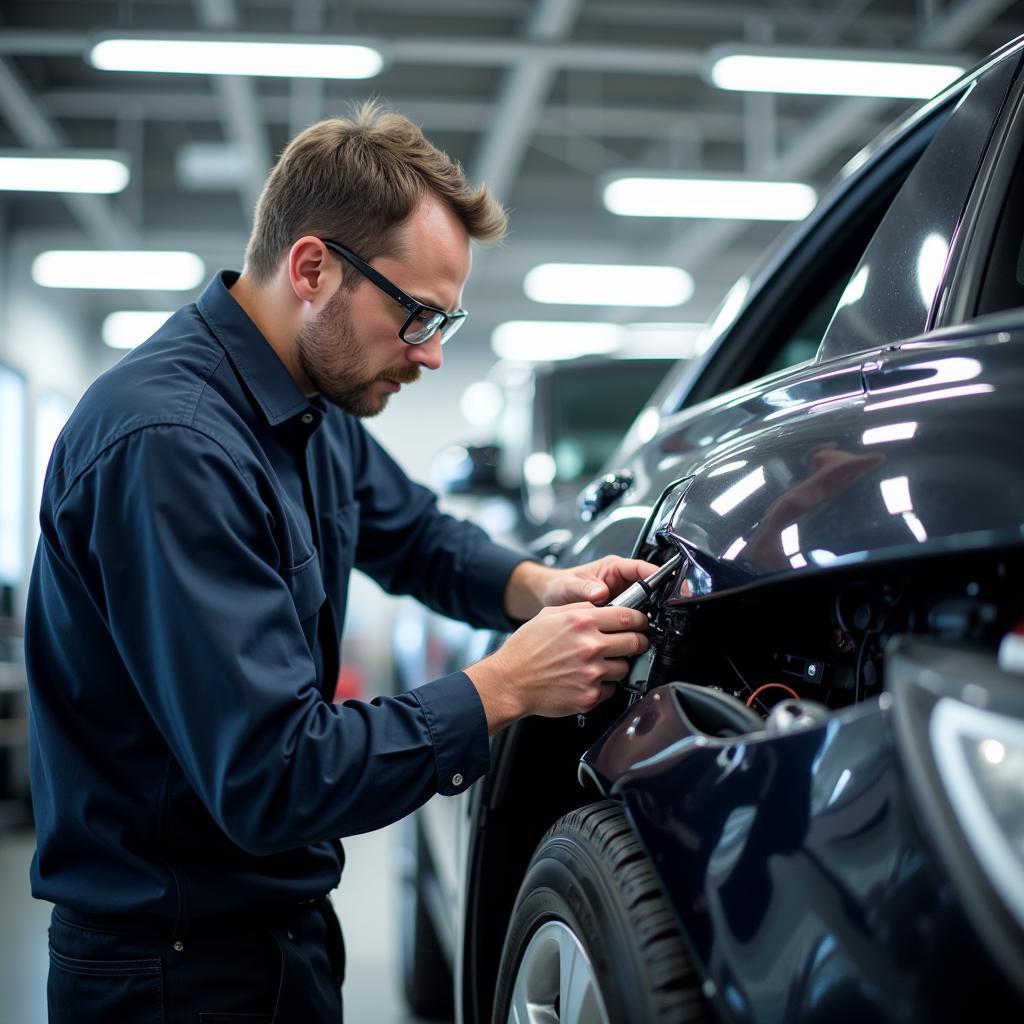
[{"x": 247, "y": 969}]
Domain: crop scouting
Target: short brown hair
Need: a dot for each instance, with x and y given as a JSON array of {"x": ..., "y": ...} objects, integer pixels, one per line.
[{"x": 355, "y": 180}]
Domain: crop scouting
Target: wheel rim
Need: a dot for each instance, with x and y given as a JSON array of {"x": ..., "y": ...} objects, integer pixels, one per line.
[{"x": 555, "y": 983}]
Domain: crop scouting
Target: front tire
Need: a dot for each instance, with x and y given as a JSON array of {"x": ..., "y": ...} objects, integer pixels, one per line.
[{"x": 592, "y": 939}]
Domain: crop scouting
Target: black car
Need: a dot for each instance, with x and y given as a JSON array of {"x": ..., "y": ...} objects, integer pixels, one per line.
[{"x": 807, "y": 802}]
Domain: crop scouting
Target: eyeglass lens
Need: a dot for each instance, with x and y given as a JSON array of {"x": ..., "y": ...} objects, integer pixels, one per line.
[{"x": 424, "y": 326}]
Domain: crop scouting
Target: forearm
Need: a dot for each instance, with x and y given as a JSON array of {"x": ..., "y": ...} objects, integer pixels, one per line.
[
  {"x": 532, "y": 586},
  {"x": 524, "y": 591}
]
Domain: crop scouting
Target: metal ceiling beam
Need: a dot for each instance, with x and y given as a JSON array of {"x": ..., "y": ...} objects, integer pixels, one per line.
[
  {"x": 306, "y": 105},
  {"x": 239, "y": 106},
  {"x": 492, "y": 9},
  {"x": 102, "y": 222},
  {"x": 435, "y": 113},
  {"x": 521, "y": 100}
]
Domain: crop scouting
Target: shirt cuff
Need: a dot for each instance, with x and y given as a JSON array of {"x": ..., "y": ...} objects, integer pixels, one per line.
[{"x": 458, "y": 730}]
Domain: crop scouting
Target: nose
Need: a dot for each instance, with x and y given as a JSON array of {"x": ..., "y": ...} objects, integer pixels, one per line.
[{"x": 427, "y": 353}]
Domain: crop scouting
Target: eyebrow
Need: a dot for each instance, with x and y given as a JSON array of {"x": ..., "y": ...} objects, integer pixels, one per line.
[{"x": 429, "y": 302}]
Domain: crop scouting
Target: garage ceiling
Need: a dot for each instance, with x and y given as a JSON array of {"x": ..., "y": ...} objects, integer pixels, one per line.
[{"x": 541, "y": 99}]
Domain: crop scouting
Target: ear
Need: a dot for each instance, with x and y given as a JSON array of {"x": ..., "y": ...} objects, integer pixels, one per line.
[{"x": 312, "y": 272}]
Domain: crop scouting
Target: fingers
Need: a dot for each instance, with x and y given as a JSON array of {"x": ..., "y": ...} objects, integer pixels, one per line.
[
  {"x": 583, "y": 588},
  {"x": 582, "y": 615},
  {"x": 617, "y": 620},
  {"x": 624, "y": 645},
  {"x": 596, "y": 582},
  {"x": 615, "y": 670},
  {"x": 633, "y": 569},
  {"x": 604, "y": 691},
  {"x": 615, "y": 574}
]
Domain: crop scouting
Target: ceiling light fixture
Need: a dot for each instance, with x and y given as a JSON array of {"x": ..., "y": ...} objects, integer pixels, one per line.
[
  {"x": 129, "y": 327},
  {"x": 723, "y": 198},
  {"x": 535, "y": 341},
  {"x": 829, "y": 73},
  {"x": 659, "y": 340},
  {"x": 118, "y": 269},
  {"x": 541, "y": 341},
  {"x": 593, "y": 284},
  {"x": 235, "y": 55},
  {"x": 62, "y": 171}
]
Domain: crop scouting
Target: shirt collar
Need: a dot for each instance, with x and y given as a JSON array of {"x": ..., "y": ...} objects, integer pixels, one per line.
[{"x": 264, "y": 374}]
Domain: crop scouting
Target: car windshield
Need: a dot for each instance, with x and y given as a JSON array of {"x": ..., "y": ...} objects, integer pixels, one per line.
[{"x": 590, "y": 411}]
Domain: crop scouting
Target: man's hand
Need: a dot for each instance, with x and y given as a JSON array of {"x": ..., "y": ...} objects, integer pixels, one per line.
[
  {"x": 564, "y": 661},
  {"x": 532, "y": 586}
]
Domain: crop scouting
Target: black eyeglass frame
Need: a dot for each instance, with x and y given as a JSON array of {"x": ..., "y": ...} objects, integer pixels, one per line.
[{"x": 446, "y": 322}]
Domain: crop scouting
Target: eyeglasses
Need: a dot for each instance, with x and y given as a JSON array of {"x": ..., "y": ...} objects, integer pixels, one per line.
[{"x": 423, "y": 321}]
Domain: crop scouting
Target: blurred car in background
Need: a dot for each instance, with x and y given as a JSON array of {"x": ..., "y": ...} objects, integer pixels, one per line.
[
  {"x": 806, "y": 803},
  {"x": 556, "y": 426}
]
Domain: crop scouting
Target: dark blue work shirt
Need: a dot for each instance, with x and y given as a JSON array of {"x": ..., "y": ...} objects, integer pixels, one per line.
[{"x": 200, "y": 519}]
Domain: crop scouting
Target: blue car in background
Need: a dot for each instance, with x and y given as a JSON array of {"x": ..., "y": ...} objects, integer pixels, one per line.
[{"x": 806, "y": 804}]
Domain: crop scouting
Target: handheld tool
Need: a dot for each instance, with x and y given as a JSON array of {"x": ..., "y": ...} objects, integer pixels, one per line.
[{"x": 643, "y": 590}]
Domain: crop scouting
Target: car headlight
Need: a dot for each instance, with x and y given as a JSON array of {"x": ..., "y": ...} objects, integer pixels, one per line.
[
  {"x": 959, "y": 723},
  {"x": 980, "y": 759}
]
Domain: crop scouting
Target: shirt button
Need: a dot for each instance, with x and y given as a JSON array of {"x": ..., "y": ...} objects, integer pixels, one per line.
[
  {"x": 307, "y": 418},
  {"x": 457, "y": 779}
]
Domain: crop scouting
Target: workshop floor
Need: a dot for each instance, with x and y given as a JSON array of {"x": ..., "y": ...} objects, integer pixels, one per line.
[{"x": 366, "y": 902}]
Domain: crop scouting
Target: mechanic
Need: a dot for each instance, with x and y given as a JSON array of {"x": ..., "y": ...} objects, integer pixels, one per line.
[{"x": 202, "y": 511}]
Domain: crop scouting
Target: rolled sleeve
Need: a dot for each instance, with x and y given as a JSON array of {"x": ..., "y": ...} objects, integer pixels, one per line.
[{"x": 458, "y": 729}]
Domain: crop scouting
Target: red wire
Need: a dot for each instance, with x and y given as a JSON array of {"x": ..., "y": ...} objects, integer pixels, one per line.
[{"x": 768, "y": 686}]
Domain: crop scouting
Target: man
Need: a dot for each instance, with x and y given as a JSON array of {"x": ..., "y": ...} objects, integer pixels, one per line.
[{"x": 202, "y": 512}]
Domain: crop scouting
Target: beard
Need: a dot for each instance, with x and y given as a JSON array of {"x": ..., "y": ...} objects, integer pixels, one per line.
[{"x": 336, "y": 365}]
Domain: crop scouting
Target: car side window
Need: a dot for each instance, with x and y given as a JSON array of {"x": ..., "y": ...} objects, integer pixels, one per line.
[
  {"x": 1003, "y": 285},
  {"x": 789, "y": 316},
  {"x": 802, "y": 344},
  {"x": 892, "y": 290}
]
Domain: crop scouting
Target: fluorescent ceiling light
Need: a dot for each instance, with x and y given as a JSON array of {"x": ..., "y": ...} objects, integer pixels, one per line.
[
  {"x": 236, "y": 56},
  {"x": 546, "y": 340},
  {"x": 659, "y": 340},
  {"x": 593, "y": 284},
  {"x": 61, "y": 172},
  {"x": 129, "y": 328},
  {"x": 536, "y": 341},
  {"x": 709, "y": 197},
  {"x": 118, "y": 269},
  {"x": 844, "y": 74}
]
